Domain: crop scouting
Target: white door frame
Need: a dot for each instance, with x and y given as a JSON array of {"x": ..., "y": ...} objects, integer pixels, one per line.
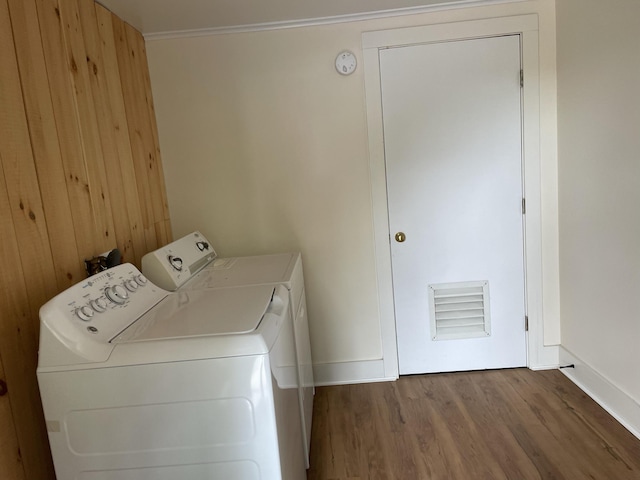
[{"x": 372, "y": 42}]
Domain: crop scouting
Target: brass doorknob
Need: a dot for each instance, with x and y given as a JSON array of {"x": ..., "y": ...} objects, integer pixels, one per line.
[{"x": 400, "y": 237}]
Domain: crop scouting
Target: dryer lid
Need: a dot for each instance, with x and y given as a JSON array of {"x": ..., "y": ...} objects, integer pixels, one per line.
[
  {"x": 224, "y": 311},
  {"x": 254, "y": 270}
]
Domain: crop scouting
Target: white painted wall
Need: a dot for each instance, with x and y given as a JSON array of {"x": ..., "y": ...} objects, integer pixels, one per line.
[
  {"x": 599, "y": 178},
  {"x": 265, "y": 150}
]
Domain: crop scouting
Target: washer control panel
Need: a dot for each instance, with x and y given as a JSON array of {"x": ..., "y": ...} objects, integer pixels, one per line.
[
  {"x": 106, "y": 290},
  {"x": 88, "y": 315},
  {"x": 174, "y": 264}
]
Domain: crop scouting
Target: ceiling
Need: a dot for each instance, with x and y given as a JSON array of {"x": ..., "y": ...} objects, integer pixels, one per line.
[{"x": 173, "y": 16}]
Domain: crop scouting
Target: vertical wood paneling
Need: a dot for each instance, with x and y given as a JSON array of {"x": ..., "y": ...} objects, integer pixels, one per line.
[
  {"x": 18, "y": 348},
  {"x": 111, "y": 72},
  {"x": 46, "y": 148},
  {"x": 89, "y": 130},
  {"x": 72, "y": 185},
  {"x": 105, "y": 122},
  {"x": 152, "y": 126},
  {"x": 150, "y": 134},
  {"x": 10, "y": 460},
  {"x": 138, "y": 107},
  {"x": 25, "y": 252},
  {"x": 127, "y": 75},
  {"x": 21, "y": 177},
  {"x": 64, "y": 109}
]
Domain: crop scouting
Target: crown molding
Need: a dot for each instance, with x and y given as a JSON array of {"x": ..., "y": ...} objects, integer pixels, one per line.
[{"x": 312, "y": 22}]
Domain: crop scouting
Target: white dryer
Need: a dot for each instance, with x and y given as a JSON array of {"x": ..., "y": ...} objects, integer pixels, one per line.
[
  {"x": 191, "y": 263},
  {"x": 141, "y": 384}
]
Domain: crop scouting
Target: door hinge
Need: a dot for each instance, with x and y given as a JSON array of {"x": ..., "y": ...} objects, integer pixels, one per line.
[
  {"x": 521, "y": 78},
  {"x": 526, "y": 323},
  {"x": 524, "y": 206}
]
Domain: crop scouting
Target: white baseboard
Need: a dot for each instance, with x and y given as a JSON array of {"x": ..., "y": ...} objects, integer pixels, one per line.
[
  {"x": 544, "y": 357},
  {"x": 368, "y": 371},
  {"x": 342, "y": 373},
  {"x": 618, "y": 403}
]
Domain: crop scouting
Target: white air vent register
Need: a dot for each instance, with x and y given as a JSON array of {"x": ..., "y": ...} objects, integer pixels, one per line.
[{"x": 459, "y": 310}]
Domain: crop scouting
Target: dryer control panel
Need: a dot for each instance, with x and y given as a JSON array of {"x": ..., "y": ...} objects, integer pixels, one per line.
[
  {"x": 171, "y": 266},
  {"x": 77, "y": 325}
]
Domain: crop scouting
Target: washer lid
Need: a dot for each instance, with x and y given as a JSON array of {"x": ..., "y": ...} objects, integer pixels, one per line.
[{"x": 224, "y": 311}]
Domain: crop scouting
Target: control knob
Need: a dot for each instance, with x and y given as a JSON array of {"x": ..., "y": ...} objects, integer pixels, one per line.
[
  {"x": 84, "y": 313},
  {"x": 99, "y": 304},
  {"x": 117, "y": 294},
  {"x": 141, "y": 280},
  {"x": 131, "y": 285},
  {"x": 175, "y": 262}
]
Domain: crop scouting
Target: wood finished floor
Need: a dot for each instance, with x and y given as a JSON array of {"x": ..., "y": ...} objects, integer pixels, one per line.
[{"x": 502, "y": 424}]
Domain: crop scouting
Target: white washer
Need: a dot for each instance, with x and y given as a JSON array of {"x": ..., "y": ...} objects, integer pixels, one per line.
[
  {"x": 141, "y": 384},
  {"x": 191, "y": 263}
]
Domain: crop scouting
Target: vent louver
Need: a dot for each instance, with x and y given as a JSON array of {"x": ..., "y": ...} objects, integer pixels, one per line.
[{"x": 459, "y": 310}]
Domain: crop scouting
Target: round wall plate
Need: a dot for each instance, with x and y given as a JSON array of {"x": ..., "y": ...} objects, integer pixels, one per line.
[{"x": 346, "y": 63}]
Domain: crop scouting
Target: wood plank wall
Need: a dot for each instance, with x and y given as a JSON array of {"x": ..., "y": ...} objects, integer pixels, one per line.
[{"x": 80, "y": 174}]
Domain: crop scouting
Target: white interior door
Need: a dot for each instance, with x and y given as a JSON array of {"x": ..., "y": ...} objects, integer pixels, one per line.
[{"x": 453, "y": 152}]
